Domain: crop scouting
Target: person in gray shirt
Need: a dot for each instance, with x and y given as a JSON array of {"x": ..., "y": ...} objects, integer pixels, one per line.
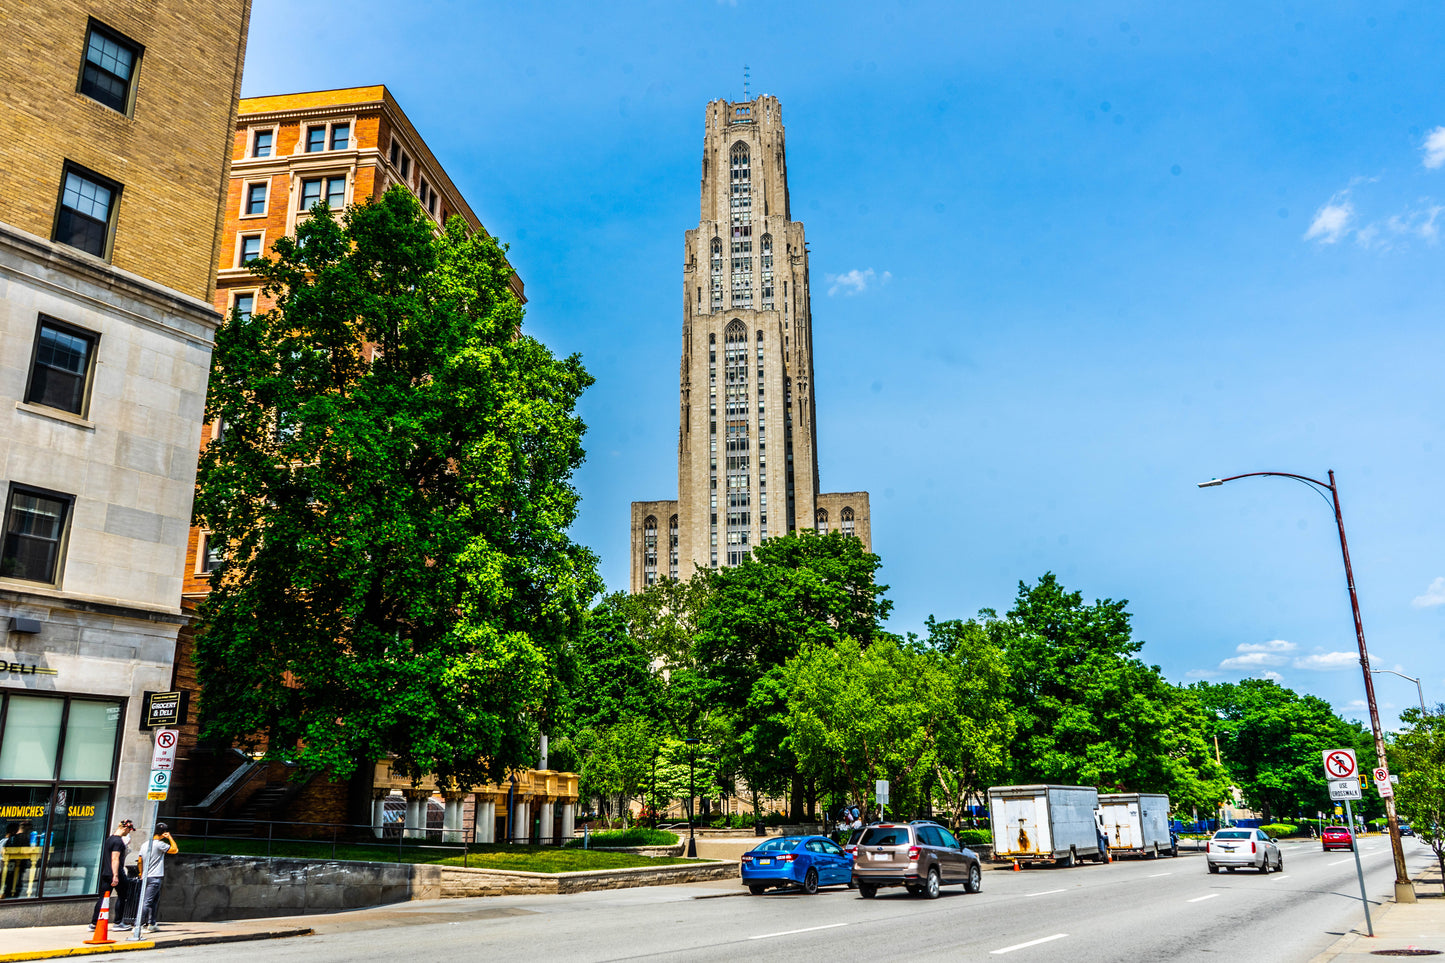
[{"x": 153, "y": 873}]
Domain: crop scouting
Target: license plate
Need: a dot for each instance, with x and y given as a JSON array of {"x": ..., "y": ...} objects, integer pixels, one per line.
[
  {"x": 765, "y": 862},
  {"x": 882, "y": 857},
  {"x": 1228, "y": 849}
]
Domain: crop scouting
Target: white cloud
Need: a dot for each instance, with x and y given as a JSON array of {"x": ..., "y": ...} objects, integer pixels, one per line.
[
  {"x": 1332, "y": 221},
  {"x": 1272, "y": 676},
  {"x": 1252, "y": 660},
  {"x": 1434, "y": 595},
  {"x": 1202, "y": 674},
  {"x": 1273, "y": 645},
  {"x": 856, "y": 281},
  {"x": 1324, "y": 661},
  {"x": 1434, "y": 148}
]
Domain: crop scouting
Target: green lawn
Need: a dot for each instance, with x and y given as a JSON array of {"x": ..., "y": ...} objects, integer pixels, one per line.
[{"x": 527, "y": 859}]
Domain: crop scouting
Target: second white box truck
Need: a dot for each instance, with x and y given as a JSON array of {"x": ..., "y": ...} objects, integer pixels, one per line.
[{"x": 1137, "y": 824}]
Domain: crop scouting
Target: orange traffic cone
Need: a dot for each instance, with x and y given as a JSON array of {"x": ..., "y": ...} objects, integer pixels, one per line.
[
  {"x": 1017, "y": 867},
  {"x": 102, "y": 923}
]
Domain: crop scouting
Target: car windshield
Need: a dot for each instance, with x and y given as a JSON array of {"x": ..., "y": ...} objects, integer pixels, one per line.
[
  {"x": 885, "y": 836},
  {"x": 1231, "y": 834},
  {"x": 780, "y": 844}
]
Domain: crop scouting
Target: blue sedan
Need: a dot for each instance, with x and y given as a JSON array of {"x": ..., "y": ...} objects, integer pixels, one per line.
[{"x": 801, "y": 862}]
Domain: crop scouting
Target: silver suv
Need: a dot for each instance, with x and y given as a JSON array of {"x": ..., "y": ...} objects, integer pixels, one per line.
[{"x": 920, "y": 856}]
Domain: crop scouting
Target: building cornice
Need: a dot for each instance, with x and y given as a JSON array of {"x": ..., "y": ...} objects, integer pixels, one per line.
[
  {"x": 51, "y": 598},
  {"x": 67, "y": 273}
]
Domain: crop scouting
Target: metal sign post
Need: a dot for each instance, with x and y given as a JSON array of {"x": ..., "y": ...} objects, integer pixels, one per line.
[
  {"x": 1359, "y": 870},
  {"x": 880, "y": 794}
]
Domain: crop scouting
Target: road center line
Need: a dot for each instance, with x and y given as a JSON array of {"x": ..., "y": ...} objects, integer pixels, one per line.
[
  {"x": 1021, "y": 946},
  {"x": 806, "y": 929},
  {"x": 1198, "y": 899},
  {"x": 1339, "y": 862},
  {"x": 1157, "y": 875},
  {"x": 1278, "y": 878},
  {"x": 1046, "y": 892}
]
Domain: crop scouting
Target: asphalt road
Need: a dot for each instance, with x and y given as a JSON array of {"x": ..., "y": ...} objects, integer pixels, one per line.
[{"x": 1144, "y": 910}]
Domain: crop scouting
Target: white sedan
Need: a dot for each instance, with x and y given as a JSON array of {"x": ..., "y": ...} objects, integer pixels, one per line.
[{"x": 1233, "y": 848}]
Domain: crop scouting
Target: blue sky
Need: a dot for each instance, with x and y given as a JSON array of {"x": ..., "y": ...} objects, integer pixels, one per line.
[{"x": 1067, "y": 263}]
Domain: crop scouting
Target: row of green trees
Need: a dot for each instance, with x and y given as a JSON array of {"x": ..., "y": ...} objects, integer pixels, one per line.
[{"x": 393, "y": 487}]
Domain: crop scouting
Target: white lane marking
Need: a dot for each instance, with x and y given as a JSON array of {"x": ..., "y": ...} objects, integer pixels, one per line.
[
  {"x": 1021, "y": 946},
  {"x": 1199, "y": 899},
  {"x": 1046, "y": 892},
  {"x": 806, "y": 929},
  {"x": 1340, "y": 862},
  {"x": 1278, "y": 878},
  {"x": 1157, "y": 875}
]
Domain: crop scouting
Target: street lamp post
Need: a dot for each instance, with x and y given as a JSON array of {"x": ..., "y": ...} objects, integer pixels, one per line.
[
  {"x": 1404, "y": 888},
  {"x": 1409, "y": 678},
  {"x": 691, "y": 766}
]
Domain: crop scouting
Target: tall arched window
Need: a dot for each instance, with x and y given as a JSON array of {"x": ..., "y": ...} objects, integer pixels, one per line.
[
  {"x": 820, "y": 517},
  {"x": 717, "y": 274},
  {"x": 649, "y": 550},
  {"x": 739, "y": 442},
  {"x": 672, "y": 541},
  {"x": 845, "y": 519},
  {"x": 765, "y": 259},
  {"x": 740, "y": 203}
]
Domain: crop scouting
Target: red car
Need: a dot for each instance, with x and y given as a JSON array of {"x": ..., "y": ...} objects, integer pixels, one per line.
[{"x": 1337, "y": 837}]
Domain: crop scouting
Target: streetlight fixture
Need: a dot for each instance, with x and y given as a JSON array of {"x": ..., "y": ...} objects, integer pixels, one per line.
[
  {"x": 1404, "y": 888},
  {"x": 1409, "y": 678},
  {"x": 691, "y": 797}
]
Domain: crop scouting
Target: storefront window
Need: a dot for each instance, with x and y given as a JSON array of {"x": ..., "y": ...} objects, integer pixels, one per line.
[{"x": 57, "y": 789}]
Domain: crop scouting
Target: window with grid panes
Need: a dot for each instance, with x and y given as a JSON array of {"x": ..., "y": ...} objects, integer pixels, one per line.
[
  {"x": 64, "y": 359},
  {"x": 87, "y": 210},
  {"x": 109, "y": 67}
]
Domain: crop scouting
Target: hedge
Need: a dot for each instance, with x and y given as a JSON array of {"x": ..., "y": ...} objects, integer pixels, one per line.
[
  {"x": 1280, "y": 829},
  {"x": 636, "y": 836},
  {"x": 974, "y": 837}
]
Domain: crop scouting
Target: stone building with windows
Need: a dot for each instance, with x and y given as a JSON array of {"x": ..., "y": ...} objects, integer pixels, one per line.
[
  {"x": 288, "y": 152},
  {"x": 747, "y": 456},
  {"x": 117, "y": 117}
]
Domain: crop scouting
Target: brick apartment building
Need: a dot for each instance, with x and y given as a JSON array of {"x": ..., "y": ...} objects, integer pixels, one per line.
[
  {"x": 117, "y": 117},
  {"x": 289, "y": 151}
]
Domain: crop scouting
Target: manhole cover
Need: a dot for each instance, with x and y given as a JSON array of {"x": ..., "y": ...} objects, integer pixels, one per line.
[{"x": 1409, "y": 952}]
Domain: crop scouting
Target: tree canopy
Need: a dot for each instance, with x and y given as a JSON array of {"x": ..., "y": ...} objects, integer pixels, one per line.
[{"x": 393, "y": 487}]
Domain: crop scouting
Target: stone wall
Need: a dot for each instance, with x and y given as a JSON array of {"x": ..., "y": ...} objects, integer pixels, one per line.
[
  {"x": 459, "y": 883},
  {"x": 204, "y": 888}
]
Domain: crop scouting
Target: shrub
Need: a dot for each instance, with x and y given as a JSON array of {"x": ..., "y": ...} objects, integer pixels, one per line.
[
  {"x": 974, "y": 837},
  {"x": 1280, "y": 829},
  {"x": 636, "y": 836},
  {"x": 774, "y": 819}
]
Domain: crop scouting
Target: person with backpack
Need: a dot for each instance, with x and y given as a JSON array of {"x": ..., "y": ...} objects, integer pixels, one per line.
[{"x": 152, "y": 874}]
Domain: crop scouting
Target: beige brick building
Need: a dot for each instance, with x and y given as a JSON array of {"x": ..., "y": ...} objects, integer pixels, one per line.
[
  {"x": 747, "y": 458},
  {"x": 117, "y": 117}
]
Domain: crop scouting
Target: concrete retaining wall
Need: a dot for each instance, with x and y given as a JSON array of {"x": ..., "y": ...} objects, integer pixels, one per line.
[
  {"x": 205, "y": 888},
  {"x": 459, "y": 883},
  {"x": 651, "y": 851}
]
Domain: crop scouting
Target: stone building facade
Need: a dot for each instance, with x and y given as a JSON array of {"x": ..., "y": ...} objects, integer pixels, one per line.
[
  {"x": 117, "y": 117},
  {"x": 747, "y": 456}
]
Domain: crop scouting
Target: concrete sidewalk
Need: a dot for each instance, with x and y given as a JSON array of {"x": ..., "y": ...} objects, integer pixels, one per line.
[{"x": 1398, "y": 926}]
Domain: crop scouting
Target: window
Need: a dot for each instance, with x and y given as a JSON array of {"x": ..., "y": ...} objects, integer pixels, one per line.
[
  {"x": 244, "y": 305},
  {"x": 330, "y": 189},
  {"x": 34, "y": 528},
  {"x": 256, "y": 199},
  {"x": 87, "y": 208},
  {"x": 57, "y": 782},
  {"x": 845, "y": 517},
  {"x": 315, "y": 138},
  {"x": 60, "y": 374},
  {"x": 649, "y": 551},
  {"x": 213, "y": 553},
  {"x": 340, "y": 136},
  {"x": 107, "y": 72},
  {"x": 741, "y": 205},
  {"x": 261, "y": 143},
  {"x": 250, "y": 248},
  {"x": 405, "y": 167},
  {"x": 821, "y": 519},
  {"x": 395, "y": 153},
  {"x": 672, "y": 541}
]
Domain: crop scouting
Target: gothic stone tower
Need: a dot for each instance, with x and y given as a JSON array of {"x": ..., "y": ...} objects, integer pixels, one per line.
[{"x": 747, "y": 454}]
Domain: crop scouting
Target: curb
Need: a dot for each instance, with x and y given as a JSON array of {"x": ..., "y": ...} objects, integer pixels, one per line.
[
  {"x": 155, "y": 944},
  {"x": 1353, "y": 936}
]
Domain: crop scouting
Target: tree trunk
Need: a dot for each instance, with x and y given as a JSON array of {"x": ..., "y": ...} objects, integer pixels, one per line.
[{"x": 795, "y": 814}]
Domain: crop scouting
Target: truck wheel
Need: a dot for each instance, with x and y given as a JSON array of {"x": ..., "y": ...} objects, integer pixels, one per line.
[
  {"x": 974, "y": 883},
  {"x": 1154, "y": 853},
  {"x": 930, "y": 888}
]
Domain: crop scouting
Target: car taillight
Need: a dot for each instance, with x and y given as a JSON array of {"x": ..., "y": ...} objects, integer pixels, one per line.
[
  {"x": 747, "y": 857},
  {"x": 851, "y": 850},
  {"x": 912, "y": 853},
  {"x": 1251, "y": 847},
  {"x": 786, "y": 858}
]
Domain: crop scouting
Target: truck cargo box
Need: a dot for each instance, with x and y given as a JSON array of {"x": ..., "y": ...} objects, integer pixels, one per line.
[
  {"x": 1137, "y": 824},
  {"x": 1044, "y": 823}
]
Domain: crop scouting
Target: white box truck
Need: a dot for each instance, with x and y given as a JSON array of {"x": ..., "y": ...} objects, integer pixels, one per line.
[
  {"x": 1137, "y": 824},
  {"x": 1039, "y": 824}
]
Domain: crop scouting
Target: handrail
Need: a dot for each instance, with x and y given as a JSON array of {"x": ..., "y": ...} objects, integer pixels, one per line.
[{"x": 231, "y": 784}]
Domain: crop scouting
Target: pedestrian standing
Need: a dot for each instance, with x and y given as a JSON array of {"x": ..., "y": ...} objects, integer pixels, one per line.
[
  {"x": 152, "y": 874},
  {"x": 112, "y": 870}
]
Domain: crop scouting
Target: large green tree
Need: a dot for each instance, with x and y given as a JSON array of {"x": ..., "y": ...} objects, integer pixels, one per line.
[
  {"x": 394, "y": 488},
  {"x": 1417, "y": 756},
  {"x": 1272, "y": 738},
  {"x": 1089, "y": 710}
]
